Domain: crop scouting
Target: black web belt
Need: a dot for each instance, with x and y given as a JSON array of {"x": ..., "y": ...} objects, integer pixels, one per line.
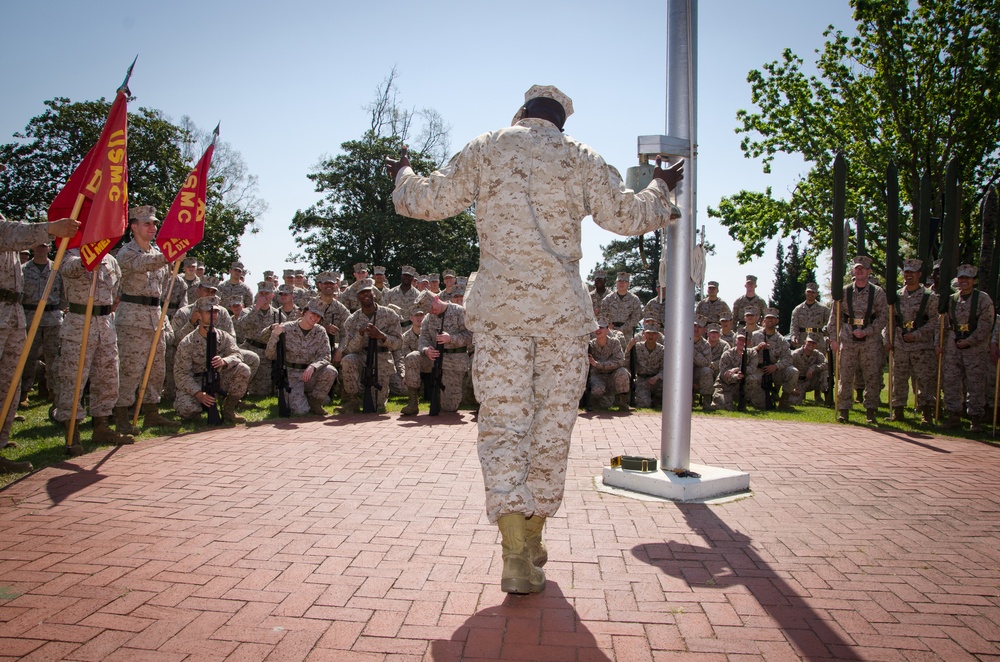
[
  {"x": 98, "y": 311},
  {"x": 142, "y": 301},
  {"x": 9, "y": 296}
]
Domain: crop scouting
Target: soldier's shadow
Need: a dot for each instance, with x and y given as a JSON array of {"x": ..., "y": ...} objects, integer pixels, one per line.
[
  {"x": 531, "y": 627},
  {"x": 444, "y": 418},
  {"x": 729, "y": 560}
]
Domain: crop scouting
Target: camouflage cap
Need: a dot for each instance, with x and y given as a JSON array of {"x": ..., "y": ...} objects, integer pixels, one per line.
[
  {"x": 424, "y": 302},
  {"x": 650, "y": 325},
  {"x": 423, "y": 278},
  {"x": 771, "y": 312},
  {"x": 285, "y": 288},
  {"x": 407, "y": 269},
  {"x": 317, "y": 306},
  {"x": 701, "y": 320},
  {"x": 603, "y": 322},
  {"x": 812, "y": 287},
  {"x": 206, "y": 303},
  {"x": 234, "y": 301},
  {"x": 713, "y": 283},
  {"x": 326, "y": 277},
  {"x": 143, "y": 214},
  {"x": 288, "y": 273},
  {"x": 237, "y": 265},
  {"x": 448, "y": 272},
  {"x": 726, "y": 317},
  {"x": 813, "y": 337},
  {"x": 546, "y": 92},
  {"x": 265, "y": 286},
  {"x": 300, "y": 272},
  {"x": 361, "y": 266},
  {"x": 600, "y": 273},
  {"x": 365, "y": 284},
  {"x": 378, "y": 270},
  {"x": 750, "y": 311},
  {"x": 209, "y": 283},
  {"x": 863, "y": 261},
  {"x": 624, "y": 275},
  {"x": 268, "y": 273},
  {"x": 966, "y": 271},
  {"x": 396, "y": 309},
  {"x": 458, "y": 290},
  {"x": 190, "y": 262},
  {"x": 913, "y": 264},
  {"x": 434, "y": 278},
  {"x": 751, "y": 279},
  {"x": 714, "y": 328}
]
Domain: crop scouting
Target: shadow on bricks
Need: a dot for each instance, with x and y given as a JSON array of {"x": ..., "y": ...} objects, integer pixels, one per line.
[
  {"x": 66, "y": 485},
  {"x": 544, "y": 626},
  {"x": 729, "y": 560}
]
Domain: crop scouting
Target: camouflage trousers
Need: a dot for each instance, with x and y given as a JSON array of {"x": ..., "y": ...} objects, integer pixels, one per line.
[
  {"x": 46, "y": 344},
  {"x": 703, "y": 381},
  {"x": 646, "y": 395},
  {"x": 318, "y": 387},
  {"x": 352, "y": 367},
  {"x": 234, "y": 380},
  {"x": 919, "y": 364},
  {"x": 964, "y": 377},
  {"x": 865, "y": 356},
  {"x": 529, "y": 389},
  {"x": 454, "y": 368},
  {"x": 611, "y": 383},
  {"x": 397, "y": 385},
  {"x": 133, "y": 352},
  {"x": 260, "y": 382},
  {"x": 807, "y": 385},
  {"x": 167, "y": 392},
  {"x": 11, "y": 343},
  {"x": 727, "y": 396},
  {"x": 100, "y": 366}
]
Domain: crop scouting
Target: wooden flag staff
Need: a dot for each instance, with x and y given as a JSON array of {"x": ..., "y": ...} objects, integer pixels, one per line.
[
  {"x": 156, "y": 341},
  {"x": 83, "y": 357}
]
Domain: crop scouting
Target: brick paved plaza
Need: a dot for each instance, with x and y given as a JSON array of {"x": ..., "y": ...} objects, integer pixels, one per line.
[{"x": 364, "y": 538}]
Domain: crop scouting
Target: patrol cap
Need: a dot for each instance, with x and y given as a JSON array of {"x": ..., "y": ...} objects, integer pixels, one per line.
[
  {"x": 143, "y": 214},
  {"x": 462, "y": 280},
  {"x": 600, "y": 273},
  {"x": 434, "y": 278},
  {"x": 546, "y": 92},
  {"x": 285, "y": 288},
  {"x": 209, "y": 283},
  {"x": 234, "y": 301},
  {"x": 650, "y": 325},
  {"x": 365, "y": 284},
  {"x": 316, "y": 306},
  {"x": 448, "y": 272},
  {"x": 701, "y": 320},
  {"x": 966, "y": 271},
  {"x": 813, "y": 337},
  {"x": 458, "y": 290},
  {"x": 751, "y": 279},
  {"x": 268, "y": 273},
  {"x": 603, "y": 323},
  {"x": 265, "y": 286},
  {"x": 190, "y": 262},
  {"x": 423, "y": 279},
  {"x": 325, "y": 277},
  {"x": 863, "y": 261},
  {"x": 624, "y": 275},
  {"x": 713, "y": 283},
  {"x": 913, "y": 264},
  {"x": 771, "y": 312},
  {"x": 206, "y": 303},
  {"x": 714, "y": 328},
  {"x": 424, "y": 301},
  {"x": 750, "y": 311},
  {"x": 300, "y": 272},
  {"x": 726, "y": 317},
  {"x": 407, "y": 269},
  {"x": 361, "y": 266},
  {"x": 812, "y": 287},
  {"x": 237, "y": 265},
  {"x": 288, "y": 273}
]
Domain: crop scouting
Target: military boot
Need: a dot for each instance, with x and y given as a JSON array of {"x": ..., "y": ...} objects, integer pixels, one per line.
[
  {"x": 123, "y": 421},
  {"x": 953, "y": 421},
  {"x": 151, "y": 417},
  {"x": 976, "y": 424},
  {"x": 74, "y": 448},
  {"x": 412, "y": 407},
  {"x": 818, "y": 396},
  {"x": 228, "y": 411},
  {"x": 10, "y": 466},
  {"x": 519, "y": 574},
  {"x": 534, "y": 546},
  {"x": 870, "y": 417},
  {"x": 621, "y": 401},
  {"x": 842, "y": 415},
  {"x": 898, "y": 414},
  {"x": 350, "y": 404},
  {"x": 859, "y": 395},
  {"x": 316, "y": 406},
  {"x": 926, "y": 415},
  {"x": 103, "y": 434}
]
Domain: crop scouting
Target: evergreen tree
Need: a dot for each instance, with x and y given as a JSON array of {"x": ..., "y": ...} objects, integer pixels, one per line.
[{"x": 791, "y": 273}]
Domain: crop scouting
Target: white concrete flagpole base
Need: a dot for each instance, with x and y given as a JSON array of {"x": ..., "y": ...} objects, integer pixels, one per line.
[{"x": 715, "y": 482}]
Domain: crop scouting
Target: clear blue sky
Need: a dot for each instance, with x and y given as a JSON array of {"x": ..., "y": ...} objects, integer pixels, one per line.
[{"x": 289, "y": 81}]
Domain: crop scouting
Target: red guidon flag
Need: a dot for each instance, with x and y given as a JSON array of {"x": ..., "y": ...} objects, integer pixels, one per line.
[
  {"x": 102, "y": 180},
  {"x": 184, "y": 225}
]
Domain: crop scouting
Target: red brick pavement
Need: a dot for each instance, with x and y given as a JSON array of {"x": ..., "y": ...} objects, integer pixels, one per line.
[{"x": 365, "y": 539}]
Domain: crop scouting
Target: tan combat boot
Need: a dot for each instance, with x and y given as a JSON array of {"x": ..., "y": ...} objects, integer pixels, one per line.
[
  {"x": 842, "y": 415},
  {"x": 870, "y": 417},
  {"x": 103, "y": 434},
  {"x": 151, "y": 417},
  {"x": 898, "y": 414},
  {"x": 976, "y": 424},
  {"x": 350, "y": 404},
  {"x": 534, "y": 546},
  {"x": 10, "y": 466},
  {"x": 123, "y": 421},
  {"x": 316, "y": 406},
  {"x": 228, "y": 411},
  {"x": 621, "y": 400},
  {"x": 519, "y": 574},
  {"x": 412, "y": 407},
  {"x": 953, "y": 421},
  {"x": 75, "y": 448},
  {"x": 927, "y": 415}
]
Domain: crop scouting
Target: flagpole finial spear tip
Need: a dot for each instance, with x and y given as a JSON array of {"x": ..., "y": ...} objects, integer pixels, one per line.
[
  {"x": 215, "y": 134},
  {"x": 128, "y": 74}
]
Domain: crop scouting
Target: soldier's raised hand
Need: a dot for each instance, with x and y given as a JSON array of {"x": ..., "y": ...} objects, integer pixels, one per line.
[
  {"x": 395, "y": 165},
  {"x": 670, "y": 175}
]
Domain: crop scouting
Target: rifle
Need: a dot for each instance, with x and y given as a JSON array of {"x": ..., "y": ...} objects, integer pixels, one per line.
[
  {"x": 829, "y": 378},
  {"x": 767, "y": 381},
  {"x": 279, "y": 375},
  {"x": 211, "y": 383},
  {"x": 585, "y": 400},
  {"x": 741, "y": 405},
  {"x": 437, "y": 374},
  {"x": 631, "y": 373},
  {"x": 369, "y": 379}
]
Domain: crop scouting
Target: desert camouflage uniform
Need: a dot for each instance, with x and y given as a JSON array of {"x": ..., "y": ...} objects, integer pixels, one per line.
[
  {"x": 302, "y": 350},
  {"x": 740, "y": 306},
  {"x": 189, "y": 368},
  {"x": 456, "y": 363},
  {"x": 803, "y": 362},
  {"x": 349, "y": 297},
  {"x": 727, "y": 389},
  {"x": 183, "y": 327},
  {"x": 396, "y": 296},
  {"x": 609, "y": 376},
  {"x": 303, "y": 296},
  {"x": 965, "y": 369},
  {"x": 703, "y": 377},
  {"x": 100, "y": 364},
  {"x": 355, "y": 348},
  {"x": 648, "y": 364},
  {"x": 713, "y": 310},
  {"x": 808, "y": 319},
  {"x": 786, "y": 376},
  {"x": 717, "y": 352},
  {"x": 596, "y": 298},
  {"x": 178, "y": 299},
  {"x": 144, "y": 274},
  {"x": 336, "y": 314},
  {"x": 866, "y": 353},
  {"x": 915, "y": 359},
  {"x": 254, "y": 328},
  {"x": 624, "y": 312},
  {"x": 14, "y": 237},
  {"x": 46, "y": 342},
  {"x": 728, "y": 338},
  {"x": 190, "y": 289},
  {"x": 229, "y": 289},
  {"x": 529, "y": 310},
  {"x": 656, "y": 310}
]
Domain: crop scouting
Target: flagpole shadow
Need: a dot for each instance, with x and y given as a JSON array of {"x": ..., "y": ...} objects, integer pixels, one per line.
[
  {"x": 729, "y": 559},
  {"x": 63, "y": 486}
]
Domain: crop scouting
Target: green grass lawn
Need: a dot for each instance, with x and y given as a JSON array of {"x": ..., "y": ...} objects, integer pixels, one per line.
[{"x": 42, "y": 442}]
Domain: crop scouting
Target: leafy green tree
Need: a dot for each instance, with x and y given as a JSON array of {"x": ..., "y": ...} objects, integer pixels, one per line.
[
  {"x": 160, "y": 154},
  {"x": 917, "y": 85},
  {"x": 624, "y": 255},
  {"x": 791, "y": 273},
  {"x": 356, "y": 220}
]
